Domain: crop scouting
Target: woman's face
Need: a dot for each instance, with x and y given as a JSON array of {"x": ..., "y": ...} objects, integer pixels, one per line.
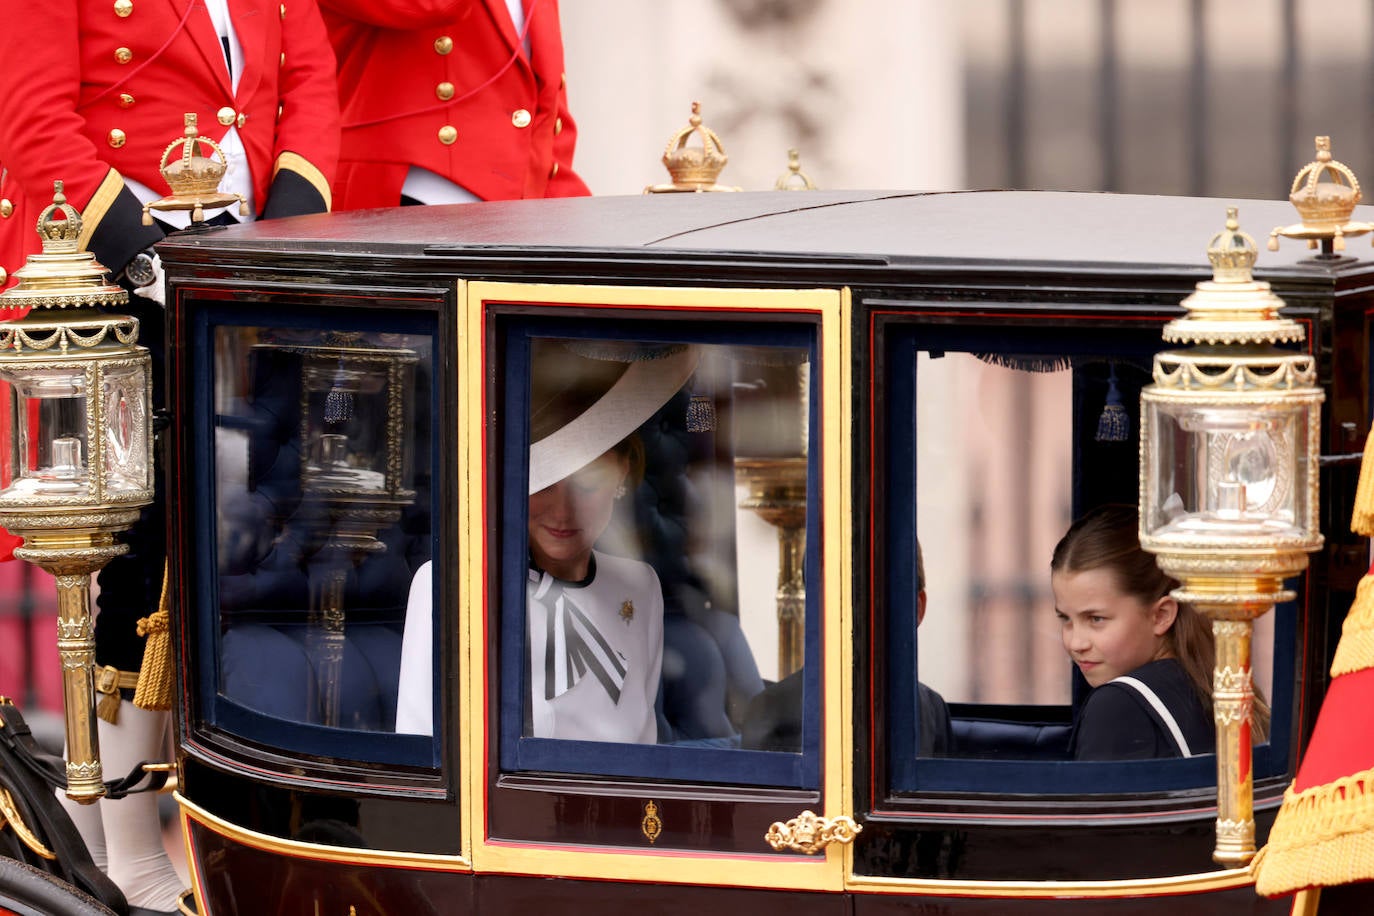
[
  {"x": 1106, "y": 631},
  {"x": 568, "y": 517}
]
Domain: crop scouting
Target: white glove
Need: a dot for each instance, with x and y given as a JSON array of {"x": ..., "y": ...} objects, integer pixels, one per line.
[{"x": 156, "y": 290}]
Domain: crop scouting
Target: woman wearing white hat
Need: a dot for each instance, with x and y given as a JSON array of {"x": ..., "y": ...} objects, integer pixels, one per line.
[{"x": 594, "y": 620}]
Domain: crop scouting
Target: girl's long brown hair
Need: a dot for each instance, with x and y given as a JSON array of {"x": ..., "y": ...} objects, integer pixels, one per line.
[{"x": 1108, "y": 537}]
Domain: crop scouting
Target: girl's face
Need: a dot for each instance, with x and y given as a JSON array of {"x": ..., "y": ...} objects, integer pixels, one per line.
[
  {"x": 1107, "y": 632},
  {"x": 568, "y": 517}
]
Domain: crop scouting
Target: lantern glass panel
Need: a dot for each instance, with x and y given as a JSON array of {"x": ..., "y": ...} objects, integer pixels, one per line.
[
  {"x": 356, "y": 403},
  {"x": 127, "y": 469},
  {"x": 49, "y": 454},
  {"x": 1230, "y": 471}
]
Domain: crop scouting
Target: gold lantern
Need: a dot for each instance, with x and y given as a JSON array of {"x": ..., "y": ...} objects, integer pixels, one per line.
[
  {"x": 356, "y": 478},
  {"x": 80, "y": 460},
  {"x": 1229, "y": 440}
]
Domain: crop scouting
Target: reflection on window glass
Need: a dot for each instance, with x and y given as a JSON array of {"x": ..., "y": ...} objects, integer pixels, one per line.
[
  {"x": 1005, "y": 447},
  {"x": 322, "y": 496},
  {"x": 666, "y": 514}
]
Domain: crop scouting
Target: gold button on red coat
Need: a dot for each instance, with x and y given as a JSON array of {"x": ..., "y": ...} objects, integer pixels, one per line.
[
  {"x": 6, "y": 208},
  {"x": 281, "y": 62},
  {"x": 553, "y": 171},
  {"x": 443, "y": 44},
  {"x": 557, "y": 126},
  {"x": 520, "y": 117},
  {"x": 126, "y": 100},
  {"x": 123, "y": 55},
  {"x": 283, "y": 11},
  {"x": 116, "y": 138},
  {"x": 447, "y": 134},
  {"x": 225, "y": 116},
  {"x": 123, "y": 8},
  {"x": 444, "y": 91}
]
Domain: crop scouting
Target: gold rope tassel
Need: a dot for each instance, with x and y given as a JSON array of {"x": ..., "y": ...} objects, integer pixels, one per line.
[
  {"x": 155, "y": 676},
  {"x": 1362, "y": 518}
]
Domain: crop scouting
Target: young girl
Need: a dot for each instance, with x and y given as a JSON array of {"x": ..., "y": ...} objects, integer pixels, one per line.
[{"x": 1147, "y": 657}]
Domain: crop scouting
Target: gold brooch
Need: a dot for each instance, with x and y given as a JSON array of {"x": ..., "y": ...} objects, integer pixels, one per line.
[{"x": 627, "y": 611}]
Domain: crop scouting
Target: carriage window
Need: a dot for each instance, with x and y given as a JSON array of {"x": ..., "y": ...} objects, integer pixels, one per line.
[
  {"x": 657, "y": 601},
  {"x": 321, "y": 496},
  {"x": 1011, "y": 448}
]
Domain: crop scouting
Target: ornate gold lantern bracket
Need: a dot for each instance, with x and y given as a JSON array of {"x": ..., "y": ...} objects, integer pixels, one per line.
[
  {"x": 693, "y": 168},
  {"x": 1325, "y": 193},
  {"x": 82, "y": 465},
  {"x": 1230, "y": 433},
  {"x": 193, "y": 176}
]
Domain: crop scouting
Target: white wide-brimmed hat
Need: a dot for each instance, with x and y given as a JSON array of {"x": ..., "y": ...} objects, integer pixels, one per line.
[{"x": 620, "y": 392}]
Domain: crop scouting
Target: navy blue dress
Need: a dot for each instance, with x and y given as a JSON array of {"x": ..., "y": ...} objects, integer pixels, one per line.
[{"x": 1118, "y": 722}]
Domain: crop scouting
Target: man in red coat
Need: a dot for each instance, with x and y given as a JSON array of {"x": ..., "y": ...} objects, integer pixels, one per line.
[
  {"x": 446, "y": 101},
  {"x": 91, "y": 93}
]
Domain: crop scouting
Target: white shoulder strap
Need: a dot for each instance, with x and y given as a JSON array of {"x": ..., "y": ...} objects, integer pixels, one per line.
[{"x": 1153, "y": 699}]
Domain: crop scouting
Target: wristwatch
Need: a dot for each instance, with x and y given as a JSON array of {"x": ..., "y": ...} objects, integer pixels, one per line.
[{"x": 141, "y": 270}]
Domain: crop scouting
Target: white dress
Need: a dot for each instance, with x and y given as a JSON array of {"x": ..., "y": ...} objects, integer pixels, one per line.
[
  {"x": 595, "y": 653},
  {"x": 623, "y": 603}
]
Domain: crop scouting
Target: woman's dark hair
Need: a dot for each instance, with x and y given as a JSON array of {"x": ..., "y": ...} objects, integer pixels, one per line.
[
  {"x": 631, "y": 448},
  {"x": 1108, "y": 537}
]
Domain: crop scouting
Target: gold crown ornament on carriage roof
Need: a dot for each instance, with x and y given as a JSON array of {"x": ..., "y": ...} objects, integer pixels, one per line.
[
  {"x": 1325, "y": 193},
  {"x": 193, "y": 177},
  {"x": 693, "y": 168}
]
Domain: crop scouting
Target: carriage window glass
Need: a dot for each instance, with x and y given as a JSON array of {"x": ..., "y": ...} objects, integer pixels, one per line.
[
  {"x": 659, "y": 587},
  {"x": 323, "y": 532},
  {"x": 1009, "y": 448}
]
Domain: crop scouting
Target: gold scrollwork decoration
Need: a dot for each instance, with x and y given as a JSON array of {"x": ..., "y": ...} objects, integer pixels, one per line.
[
  {"x": 1185, "y": 372},
  {"x": 1228, "y": 679},
  {"x": 810, "y": 833},
  {"x": 9, "y": 814},
  {"x": 651, "y": 825},
  {"x": 1238, "y": 832}
]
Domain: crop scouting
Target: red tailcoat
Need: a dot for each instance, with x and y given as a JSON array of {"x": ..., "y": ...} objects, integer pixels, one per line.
[
  {"x": 447, "y": 85},
  {"x": 88, "y": 95}
]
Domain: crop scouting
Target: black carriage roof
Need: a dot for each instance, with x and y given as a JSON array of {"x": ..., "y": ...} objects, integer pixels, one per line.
[{"x": 1045, "y": 230}]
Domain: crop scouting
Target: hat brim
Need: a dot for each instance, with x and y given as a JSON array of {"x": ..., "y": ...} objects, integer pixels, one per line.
[{"x": 640, "y": 391}]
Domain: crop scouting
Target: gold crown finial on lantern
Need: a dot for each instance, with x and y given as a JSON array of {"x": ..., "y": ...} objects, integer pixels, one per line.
[
  {"x": 61, "y": 275},
  {"x": 193, "y": 176},
  {"x": 1232, "y": 252},
  {"x": 1233, "y": 307},
  {"x": 693, "y": 168},
  {"x": 1325, "y": 193},
  {"x": 794, "y": 179}
]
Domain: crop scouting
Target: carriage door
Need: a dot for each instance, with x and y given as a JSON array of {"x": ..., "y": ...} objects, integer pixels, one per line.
[{"x": 655, "y": 552}]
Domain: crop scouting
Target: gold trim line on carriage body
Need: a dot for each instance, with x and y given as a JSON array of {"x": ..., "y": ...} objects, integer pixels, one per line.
[
  {"x": 315, "y": 852},
  {"x": 659, "y": 864},
  {"x": 468, "y": 703},
  {"x": 1174, "y": 885}
]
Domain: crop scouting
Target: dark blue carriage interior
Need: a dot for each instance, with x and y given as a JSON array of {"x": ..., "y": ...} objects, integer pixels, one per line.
[
  {"x": 249, "y": 618},
  {"x": 707, "y": 663},
  {"x": 1026, "y": 747}
]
